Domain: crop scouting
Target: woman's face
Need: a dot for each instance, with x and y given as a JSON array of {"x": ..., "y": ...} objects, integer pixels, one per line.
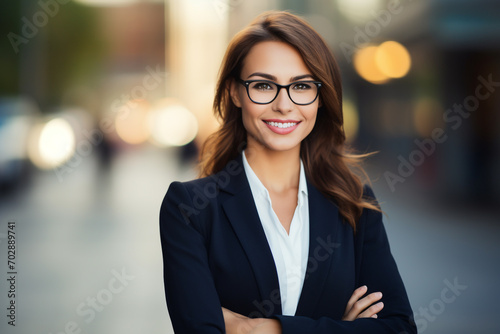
[{"x": 280, "y": 125}]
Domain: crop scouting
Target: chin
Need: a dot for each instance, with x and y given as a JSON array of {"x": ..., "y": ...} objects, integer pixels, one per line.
[{"x": 282, "y": 145}]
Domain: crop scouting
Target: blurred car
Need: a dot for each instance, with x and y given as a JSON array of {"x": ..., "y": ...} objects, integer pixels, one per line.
[{"x": 17, "y": 117}]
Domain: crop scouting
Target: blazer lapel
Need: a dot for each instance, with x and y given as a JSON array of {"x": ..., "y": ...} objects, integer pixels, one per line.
[
  {"x": 323, "y": 240},
  {"x": 242, "y": 214}
]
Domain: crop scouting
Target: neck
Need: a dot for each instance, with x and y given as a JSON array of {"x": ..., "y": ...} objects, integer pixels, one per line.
[{"x": 277, "y": 170}]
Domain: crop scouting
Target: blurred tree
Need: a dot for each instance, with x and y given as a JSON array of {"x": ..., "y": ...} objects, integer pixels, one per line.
[
  {"x": 47, "y": 48},
  {"x": 75, "y": 50},
  {"x": 9, "y": 61}
]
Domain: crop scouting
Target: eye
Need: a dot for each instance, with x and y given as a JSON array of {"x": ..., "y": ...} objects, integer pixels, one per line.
[
  {"x": 300, "y": 86},
  {"x": 262, "y": 86}
]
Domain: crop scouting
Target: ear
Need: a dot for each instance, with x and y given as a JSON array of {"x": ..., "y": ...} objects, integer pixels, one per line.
[{"x": 234, "y": 92}]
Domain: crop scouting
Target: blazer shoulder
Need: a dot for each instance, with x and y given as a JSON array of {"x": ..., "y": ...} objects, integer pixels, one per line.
[
  {"x": 189, "y": 185},
  {"x": 197, "y": 192},
  {"x": 190, "y": 202},
  {"x": 369, "y": 217},
  {"x": 368, "y": 193},
  {"x": 208, "y": 184},
  {"x": 369, "y": 196},
  {"x": 183, "y": 192}
]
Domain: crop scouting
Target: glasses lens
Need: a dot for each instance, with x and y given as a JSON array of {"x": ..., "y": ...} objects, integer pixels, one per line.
[
  {"x": 262, "y": 91},
  {"x": 303, "y": 92}
]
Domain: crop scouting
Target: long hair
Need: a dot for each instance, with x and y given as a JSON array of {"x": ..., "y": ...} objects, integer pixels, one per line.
[{"x": 328, "y": 165}]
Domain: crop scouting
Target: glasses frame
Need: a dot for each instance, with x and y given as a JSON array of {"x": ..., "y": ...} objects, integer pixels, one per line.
[{"x": 247, "y": 83}]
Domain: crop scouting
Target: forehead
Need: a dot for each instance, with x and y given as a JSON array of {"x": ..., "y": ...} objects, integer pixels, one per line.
[{"x": 276, "y": 58}]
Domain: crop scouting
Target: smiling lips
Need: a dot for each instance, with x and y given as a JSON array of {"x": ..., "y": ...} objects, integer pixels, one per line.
[{"x": 281, "y": 127}]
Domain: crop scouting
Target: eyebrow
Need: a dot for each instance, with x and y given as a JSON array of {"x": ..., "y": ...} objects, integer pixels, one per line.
[{"x": 273, "y": 78}]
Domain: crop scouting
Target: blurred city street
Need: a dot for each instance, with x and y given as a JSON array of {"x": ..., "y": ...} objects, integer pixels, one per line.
[
  {"x": 103, "y": 103},
  {"x": 71, "y": 235}
]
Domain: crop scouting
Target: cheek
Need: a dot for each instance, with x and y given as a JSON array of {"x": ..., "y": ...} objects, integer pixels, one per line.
[
  {"x": 247, "y": 121},
  {"x": 250, "y": 115},
  {"x": 311, "y": 116}
]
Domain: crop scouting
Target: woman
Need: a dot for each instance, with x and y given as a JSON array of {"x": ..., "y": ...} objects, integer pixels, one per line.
[{"x": 279, "y": 236}]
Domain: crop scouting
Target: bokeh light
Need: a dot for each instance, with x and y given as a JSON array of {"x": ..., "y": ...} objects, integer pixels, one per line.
[
  {"x": 393, "y": 59},
  {"x": 132, "y": 126},
  {"x": 51, "y": 144},
  {"x": 172, "y": 124},
  {"x": 379, "y": 64},
  {"x": 366, "y": 66},
  {"x": 358, "y": 11}
]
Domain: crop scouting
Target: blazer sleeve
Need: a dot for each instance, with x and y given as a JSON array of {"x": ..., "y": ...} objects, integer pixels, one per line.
[
  {"x": 192, "y": 300},
  {"x": 376, "y": 268}
]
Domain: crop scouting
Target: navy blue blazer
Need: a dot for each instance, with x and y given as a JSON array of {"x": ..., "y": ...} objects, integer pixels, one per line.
[{"x": 215, "y": 253}]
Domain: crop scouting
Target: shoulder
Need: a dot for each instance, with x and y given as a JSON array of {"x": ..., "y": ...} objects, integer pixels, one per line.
[
  {"x": 190, "y": 185},
  {"x": 230, "y": 179},
  {"x": 368, "y": 193},
  {"x": 206, "y": 186},
  {"x": 369, "y": 196},
  {"x": 190, "y": 204},
  {"x": 371, "y": 220},
  {"x": 199, "y": 194},
  {"x": 188, "y": 193}
]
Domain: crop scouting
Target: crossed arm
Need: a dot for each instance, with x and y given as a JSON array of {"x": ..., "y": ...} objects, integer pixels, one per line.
[{"x": 357, "y": 307}]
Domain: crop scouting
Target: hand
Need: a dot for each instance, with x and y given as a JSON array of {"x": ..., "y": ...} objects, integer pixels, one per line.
[
  {"x": 360, "y": 308},
  {"x": 239, "y": 324},
  {"x": 236, "y": 323}
]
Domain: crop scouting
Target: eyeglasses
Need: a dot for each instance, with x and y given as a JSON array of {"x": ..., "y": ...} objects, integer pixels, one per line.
[{"x": 265, "y": 91}]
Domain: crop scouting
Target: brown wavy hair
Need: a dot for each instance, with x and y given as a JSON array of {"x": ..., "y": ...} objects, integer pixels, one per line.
[{"x": 328, "y": 165}]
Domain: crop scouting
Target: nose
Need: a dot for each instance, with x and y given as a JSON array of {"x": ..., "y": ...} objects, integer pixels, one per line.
[{"x": 282, "y": 103}]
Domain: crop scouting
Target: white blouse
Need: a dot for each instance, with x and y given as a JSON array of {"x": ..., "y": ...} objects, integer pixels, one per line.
[{"x": 290, "y": 251}]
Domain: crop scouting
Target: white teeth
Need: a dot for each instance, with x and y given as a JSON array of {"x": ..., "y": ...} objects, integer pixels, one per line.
[{"x": 282, "y": 125}]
